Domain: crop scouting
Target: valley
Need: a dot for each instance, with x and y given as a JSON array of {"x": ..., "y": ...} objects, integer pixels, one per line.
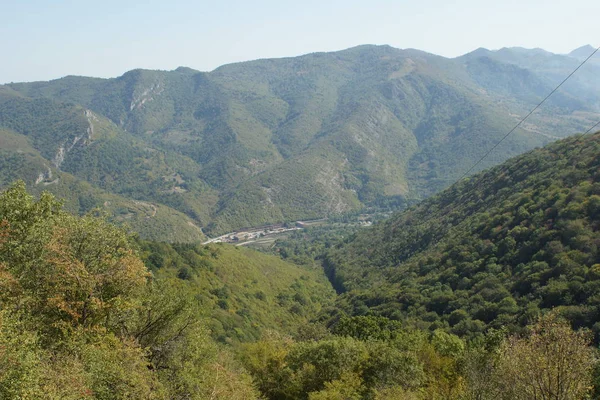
[
  {"x": 331, "y": 226},
  {"x": 461, "y": 294},
  {"x": 268, "y": 141},
  {"x": 266, "y": 236},
  {"x": 250, "y": 235}
]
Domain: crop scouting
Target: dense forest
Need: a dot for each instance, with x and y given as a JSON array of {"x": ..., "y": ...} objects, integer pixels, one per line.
[
  {"x": 485, "y": 291},
  {"x": 492, "y": 251}
]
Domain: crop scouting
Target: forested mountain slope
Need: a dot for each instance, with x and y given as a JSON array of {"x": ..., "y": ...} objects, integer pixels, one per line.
[
  {"x": 81, "y": 317},
  {"x": 89, "y": 312},
  {"x": 285, "y": 139},
  {"x": 89, "y": 162},
  {"x": 492, "y": 250}
]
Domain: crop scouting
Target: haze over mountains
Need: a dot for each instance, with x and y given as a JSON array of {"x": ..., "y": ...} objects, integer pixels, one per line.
[{"x": 265, "y": 141}]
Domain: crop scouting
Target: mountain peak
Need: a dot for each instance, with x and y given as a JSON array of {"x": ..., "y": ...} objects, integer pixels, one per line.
[
  {"x": 479, "y": 52},
  {"x": 524, "y": 50},
  {"x": 186, "y": 70},
  {"x": 582, "y": 52}
]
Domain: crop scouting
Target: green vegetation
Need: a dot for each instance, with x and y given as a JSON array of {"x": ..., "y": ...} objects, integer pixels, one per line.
[
  {"x": 243, "y": 291},
  {"x": 103, "y": 160},
  {"x": 308, "y": 246},
  {"x": 88, "y": 311},
  {"x": 488, "y": 290},
  {"x": 495, "y": 250},
  {"x": 374, "y": 358},
  {"x": 82, "y": 318},
  {"x": 279, "y": 140}
]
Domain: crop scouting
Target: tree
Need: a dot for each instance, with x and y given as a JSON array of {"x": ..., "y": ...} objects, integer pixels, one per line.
[
  {"x": 367, "y": 327},
  {"x": 82, "y": 318},
  {"x": 479, "y": 367},
  {"x": 552, "y": 363},
  {"x": 346, "y": 388}
]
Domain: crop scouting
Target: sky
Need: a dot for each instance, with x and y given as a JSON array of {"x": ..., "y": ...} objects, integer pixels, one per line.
[{"x": 43, "y": 40}]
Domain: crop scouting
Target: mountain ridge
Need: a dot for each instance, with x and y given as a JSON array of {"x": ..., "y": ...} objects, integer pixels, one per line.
[
  {"x": 280, "y": 139},
  {"x": 577, "y": 52}
]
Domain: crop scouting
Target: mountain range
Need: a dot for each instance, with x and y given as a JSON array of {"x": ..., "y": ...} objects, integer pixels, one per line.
[{"x": 180, "y": 154}]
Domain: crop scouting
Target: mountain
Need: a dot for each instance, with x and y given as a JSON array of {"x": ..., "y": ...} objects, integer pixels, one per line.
[
  {"x": 90, "y": 312},
  {"x": 550, "y": 68},
  {"x": 34, "y": 158},
  {"x": 582, "y": 52},
  {"x": 283, "y": 139},
  {"x": 491, "y": 251}
]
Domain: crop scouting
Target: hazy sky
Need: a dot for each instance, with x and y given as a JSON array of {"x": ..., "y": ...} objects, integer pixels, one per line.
[{"x": 41, "y": 40}]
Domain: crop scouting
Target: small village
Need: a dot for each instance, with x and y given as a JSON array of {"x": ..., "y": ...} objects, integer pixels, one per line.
[
  {"x": 249, "y": 235},
  {"x": 246, "y": 235}
]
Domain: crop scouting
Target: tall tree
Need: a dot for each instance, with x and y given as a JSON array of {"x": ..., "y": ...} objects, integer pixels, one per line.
[{"x": 554, "y": 362}]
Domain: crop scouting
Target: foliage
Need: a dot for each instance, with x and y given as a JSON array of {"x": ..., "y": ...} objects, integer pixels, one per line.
[
  {"x": 20, "y": 369},
  {"x": 495, "y": 250},
  {"x": 82, "y": 318},
  {"x": 231, "y": 286},
  {"x": 336, "y": 366},
  {"x": 550, "y": 360},
  {"x": 366, "y": 327},
  {"x": 553, "y": 362}
]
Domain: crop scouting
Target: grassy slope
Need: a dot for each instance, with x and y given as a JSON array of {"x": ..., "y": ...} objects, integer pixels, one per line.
[{"x": 244, "y": 291}]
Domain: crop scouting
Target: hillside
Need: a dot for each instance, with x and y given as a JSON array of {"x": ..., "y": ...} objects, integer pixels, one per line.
[
  {"x": 95, "y": 165},
  {"x": 81, "y": 317},
  {"x": 244, "y": 292},
  {"x": 493, "y": 250},
  {"x": 88, "y": 311},
  {"x": 286, "y": 139}
]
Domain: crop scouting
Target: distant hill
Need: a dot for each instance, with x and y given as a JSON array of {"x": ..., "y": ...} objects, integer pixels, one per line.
[
  {"x": 552, "y": 68},
  {"x": 282, "y": 139},
  {"x": 493, "y": 250}
]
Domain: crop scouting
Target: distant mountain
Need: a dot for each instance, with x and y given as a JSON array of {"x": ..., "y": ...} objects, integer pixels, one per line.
[
  {"x": 491, "y": 251},
  {"x": 59, "y": 138},
  {"x": 551, "y": 69},
  {"x": 283, "y": 139},
  {"x": 582, "y": 52}
]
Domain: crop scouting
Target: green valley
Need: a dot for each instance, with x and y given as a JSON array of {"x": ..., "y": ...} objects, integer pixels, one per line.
[
  {"x": 278, "y": 140},
  {"x": 358, "y": 266},
  {"x": 480, "y": 292}
]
